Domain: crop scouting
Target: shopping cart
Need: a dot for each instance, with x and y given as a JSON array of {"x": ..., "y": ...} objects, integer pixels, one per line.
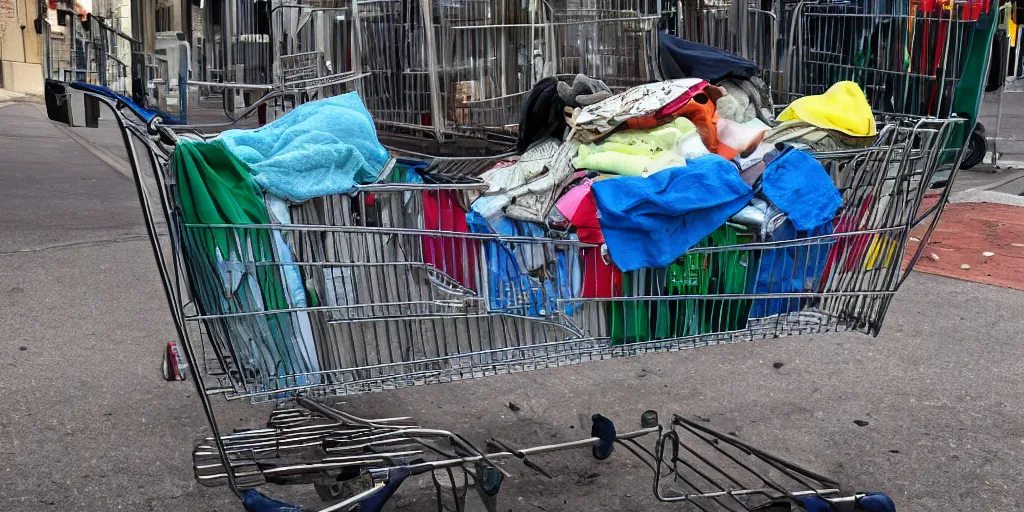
[
  {"x": 463, "y": 68},
  {"x": 401, "y": 293}
]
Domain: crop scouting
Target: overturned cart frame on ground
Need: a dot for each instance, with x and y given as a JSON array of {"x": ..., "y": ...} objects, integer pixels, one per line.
[{"x": 398, "y": 297}]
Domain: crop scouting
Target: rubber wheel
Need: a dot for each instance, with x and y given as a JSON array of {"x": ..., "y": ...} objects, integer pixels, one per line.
[
  {"x": 170, "y": 367},
  {"x": 974, "y": 153},
  {"x": 329, "y": 492}
]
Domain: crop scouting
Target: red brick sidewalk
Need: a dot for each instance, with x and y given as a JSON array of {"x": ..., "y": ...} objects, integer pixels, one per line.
[{"x": 964, "y": 233}]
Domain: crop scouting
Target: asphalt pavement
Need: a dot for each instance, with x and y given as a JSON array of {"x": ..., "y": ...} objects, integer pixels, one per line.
[{"x": 930, "y": 411}]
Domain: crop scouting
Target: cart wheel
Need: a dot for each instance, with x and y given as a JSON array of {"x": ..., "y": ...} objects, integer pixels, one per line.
[
  {"x": 976, "y": 147},
  {"x": 488, "y": 478},
  {"x": 329, "y": 492},
  {"x": 172, "y": 363}
]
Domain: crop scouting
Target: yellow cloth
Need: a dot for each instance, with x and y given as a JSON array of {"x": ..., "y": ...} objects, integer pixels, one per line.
[{"x": 843, "y": 107}]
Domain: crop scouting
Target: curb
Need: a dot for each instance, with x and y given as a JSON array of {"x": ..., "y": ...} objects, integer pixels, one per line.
[{"x": 115, "y": 162}]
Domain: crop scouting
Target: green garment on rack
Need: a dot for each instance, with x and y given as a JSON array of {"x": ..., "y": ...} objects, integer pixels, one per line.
[
  {"x": 970, "y": 90},
  {"x": 703, "y": 274},
  {"x": 215, "y": 187}
]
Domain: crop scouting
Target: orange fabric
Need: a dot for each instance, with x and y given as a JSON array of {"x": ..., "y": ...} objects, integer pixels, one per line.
[
  {"x": 726, "y": 152},
  {"x": 701, "y": 111},
  {"x": 646, "y": 123}
]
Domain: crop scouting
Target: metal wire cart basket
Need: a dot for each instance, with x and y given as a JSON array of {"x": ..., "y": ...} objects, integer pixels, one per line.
[{"x": 391, "y": 284}]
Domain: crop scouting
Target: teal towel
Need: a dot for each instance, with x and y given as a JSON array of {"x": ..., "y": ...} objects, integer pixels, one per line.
[{"x": 321, "y": 148}]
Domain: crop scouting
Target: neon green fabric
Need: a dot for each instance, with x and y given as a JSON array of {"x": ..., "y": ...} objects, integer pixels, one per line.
[
  {"x": 632, "y": 152},
  {"x": 842, "y": 107}
]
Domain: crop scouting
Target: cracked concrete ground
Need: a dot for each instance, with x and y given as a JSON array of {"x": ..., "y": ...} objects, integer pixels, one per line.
[{"x": 89, "y": 425}]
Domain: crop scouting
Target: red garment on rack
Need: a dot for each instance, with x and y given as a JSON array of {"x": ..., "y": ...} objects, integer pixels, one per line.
[
  {"x": 600, "y": 280},
  {"x": 455, "y": 256}
]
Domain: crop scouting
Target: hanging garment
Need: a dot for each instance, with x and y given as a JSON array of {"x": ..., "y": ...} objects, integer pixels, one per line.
[
  {"x": 453, "y": 255},
  {"x": 792, "y": 269},
  {"x": 694, "y": 274},
  {"x": 600, "y": 278},
  {"x": 321, "y": 148},
  {"x": 680, "y": 58},
  {"x": 798, "y": 184},
  {"x": 594, "y": 122},
  {"x": 294, "y": 289},
  {"x": 842, "y": 107},
  {"x": 649, "y": 222},
  {"x": 542, "y": 115},
  {"x": 526, "y": 278},
  {"x": 214, "y": 188}
]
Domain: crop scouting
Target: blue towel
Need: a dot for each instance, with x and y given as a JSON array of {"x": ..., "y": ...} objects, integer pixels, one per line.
[
  {"x": 797, "y": 183},
  {"x": 321, "y": 148},
  {"x": 649, "y": 222}
]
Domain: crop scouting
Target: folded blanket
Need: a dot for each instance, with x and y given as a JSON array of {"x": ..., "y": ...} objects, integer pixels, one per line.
[
  {"x": 649, "y": 222},
  {"x": 321, "y": 148}
]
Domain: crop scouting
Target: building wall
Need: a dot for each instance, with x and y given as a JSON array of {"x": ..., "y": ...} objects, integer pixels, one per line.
[{"x": 20, "y": 50}]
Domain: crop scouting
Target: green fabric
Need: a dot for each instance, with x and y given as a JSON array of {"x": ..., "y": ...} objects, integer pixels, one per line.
[
  {"x": 710, "y": 274},
  {"x": 970, "y": 90},
  {"x": 215, "y": 187}
]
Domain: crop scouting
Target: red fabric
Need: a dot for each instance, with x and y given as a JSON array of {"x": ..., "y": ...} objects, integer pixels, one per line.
[
  {"x": 856, "y": 246},
  {"x": 455, "y": 256},
  {"x": 681, "y": 101},
  {"x": 646, "y": 123},
  {"x": 588, "y": 227},
  {"x": 600, "y": 280}
]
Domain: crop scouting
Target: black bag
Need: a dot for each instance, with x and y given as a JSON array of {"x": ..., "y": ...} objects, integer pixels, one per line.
[
  {"x": 997, "y": 72},
  {"x": 58, "y": 101}
]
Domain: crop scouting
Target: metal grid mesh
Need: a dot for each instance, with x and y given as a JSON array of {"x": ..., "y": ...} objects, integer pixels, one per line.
[
  {"x": 907, "y": 60},
  {"x": 401, "y": 303}
]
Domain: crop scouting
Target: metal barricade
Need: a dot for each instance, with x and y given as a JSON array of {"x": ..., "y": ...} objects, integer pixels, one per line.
[
  {"x": 907, "y": 59},
  {"x": 750, "y": 29},
  {"x": 464, "y": 67},
  {"x": 98, "y": 52}
]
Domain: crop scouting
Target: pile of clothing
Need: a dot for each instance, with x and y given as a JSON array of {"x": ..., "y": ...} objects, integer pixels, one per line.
[
  {"x": 643, "y": 176},
  {"x": 608, "y": 194}
]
